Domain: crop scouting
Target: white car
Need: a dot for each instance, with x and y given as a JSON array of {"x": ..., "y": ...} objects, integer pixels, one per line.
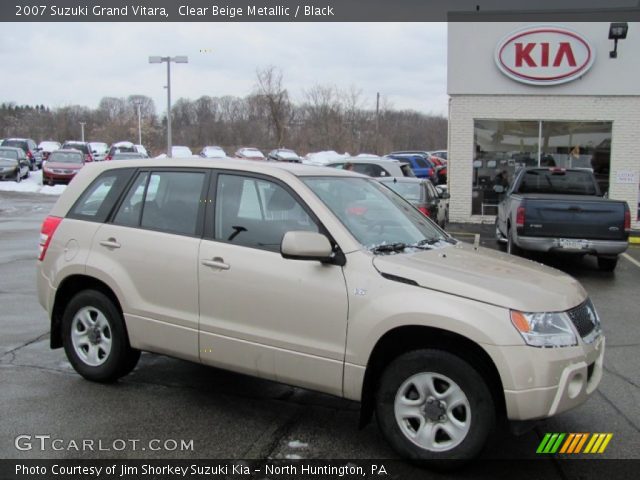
[
  {"x": 179, "y": 151},
  {"x": 213, "y": 152}
]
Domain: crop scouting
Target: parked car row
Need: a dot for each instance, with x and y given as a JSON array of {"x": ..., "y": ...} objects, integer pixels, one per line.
[
  {"x": 29, "y": 147},
  {"x": 14, "y": 164}
]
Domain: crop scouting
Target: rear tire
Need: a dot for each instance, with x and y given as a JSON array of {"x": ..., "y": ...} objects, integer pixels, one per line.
[
  {"x": 500, "y": 239},
  {"x": 512, "y": 248},
  {"x": 607, "y": 264},
  {"x": 95, "y": 339},
  {"x": 433, "y": 406}
]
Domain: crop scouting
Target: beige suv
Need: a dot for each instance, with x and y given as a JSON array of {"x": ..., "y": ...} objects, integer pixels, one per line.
[{"x": 318, "y": 278}]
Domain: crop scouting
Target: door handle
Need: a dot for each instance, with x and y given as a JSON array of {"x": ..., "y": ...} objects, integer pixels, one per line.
[
  {"x": 216, "y": 262},
  {"x": 110, "y": 243}
]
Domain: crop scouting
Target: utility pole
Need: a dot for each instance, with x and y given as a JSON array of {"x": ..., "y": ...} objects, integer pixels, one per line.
[
  {"x": 378, "y": 123},
  {"x": 178, "y": 59},
  {"x": 82, "y": 124},
  {"x": 138, "y": 103}
]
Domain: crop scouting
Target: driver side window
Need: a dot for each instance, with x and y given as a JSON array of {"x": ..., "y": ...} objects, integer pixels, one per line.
[{"x": 256, "y": 213}]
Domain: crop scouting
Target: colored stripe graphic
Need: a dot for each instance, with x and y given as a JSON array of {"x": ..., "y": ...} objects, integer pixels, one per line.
[
  {"x": 573, "y": 443},
  {"x": 567, "y": 443},
  {"x": 543, "y": 443}
]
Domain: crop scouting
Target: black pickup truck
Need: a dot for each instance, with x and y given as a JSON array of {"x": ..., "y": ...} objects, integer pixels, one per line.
[{"x": 562, "y": 210}]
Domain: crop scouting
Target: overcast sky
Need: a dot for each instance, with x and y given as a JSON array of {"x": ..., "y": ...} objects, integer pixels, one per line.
[{"x": 60, "y": 64}]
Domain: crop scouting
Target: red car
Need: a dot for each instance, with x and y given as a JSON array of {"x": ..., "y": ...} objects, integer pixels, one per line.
[{"x": 62, "y": 166}]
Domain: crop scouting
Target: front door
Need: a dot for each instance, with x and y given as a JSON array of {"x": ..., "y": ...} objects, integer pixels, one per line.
[{"x": 259, "y": 313}]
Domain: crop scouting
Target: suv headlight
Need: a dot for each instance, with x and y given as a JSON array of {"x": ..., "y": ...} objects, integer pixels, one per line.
[{"x": 544, "y": 329}]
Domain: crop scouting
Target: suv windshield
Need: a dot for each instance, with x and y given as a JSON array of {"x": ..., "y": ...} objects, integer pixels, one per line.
[
  {"x": 15, "y": 143},
  {"x": 378, "y": 218},
  {"x": 7, "y": 153}
]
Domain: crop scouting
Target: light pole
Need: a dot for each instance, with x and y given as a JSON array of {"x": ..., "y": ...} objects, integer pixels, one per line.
[
  {"x": 138, "y": 103},
  {"x": 178, "y": 59},
  {"x": 82, "y": 124}
]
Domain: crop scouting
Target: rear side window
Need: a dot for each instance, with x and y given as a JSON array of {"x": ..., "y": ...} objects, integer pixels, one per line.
[
  {"x": 406, "y": 170},
  {"x": 370, "y": 169},
  {"x": 421, "y": 162},
  {"x": 98, "y": 199},
  {"x": 165, "y": 201}
]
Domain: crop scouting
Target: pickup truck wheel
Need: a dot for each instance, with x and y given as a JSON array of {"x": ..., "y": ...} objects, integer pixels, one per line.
[
  {"x": 607, "y": 264},
  {"x": 431, "y": 405},
  {"x": 512, "y": 248},
  {"x": 95, "y": 339},
  {"x": 499, "y": 236}
]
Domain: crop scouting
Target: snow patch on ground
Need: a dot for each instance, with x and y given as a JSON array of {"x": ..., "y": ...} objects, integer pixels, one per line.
[
  {"x": 292, "y": 457},
  {"x": 297, "y": 444},
  {"x": 33, "y": 184},
  {"x": 322, "y": 158}
]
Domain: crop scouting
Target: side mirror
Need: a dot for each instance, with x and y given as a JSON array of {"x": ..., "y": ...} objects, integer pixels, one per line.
[
  {"x": 303, "y": 245},
  {"x": 445, "y": 195}
]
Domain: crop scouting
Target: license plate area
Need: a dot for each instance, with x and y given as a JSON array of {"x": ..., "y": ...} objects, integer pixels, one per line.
[{"x": 571, "y": 244}]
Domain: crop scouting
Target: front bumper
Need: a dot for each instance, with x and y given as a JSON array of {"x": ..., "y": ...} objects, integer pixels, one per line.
[
  {"x": 57, "y": 177},
  {"x": 550, "y": 244},
  {"x": 559, "y": 378}
]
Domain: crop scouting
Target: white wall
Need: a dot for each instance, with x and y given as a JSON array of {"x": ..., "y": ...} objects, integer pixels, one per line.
[{"x": 624, "y": 112}]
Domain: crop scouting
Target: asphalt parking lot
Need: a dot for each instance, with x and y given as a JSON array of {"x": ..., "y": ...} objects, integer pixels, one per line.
[{"x": 229, "y": 415}]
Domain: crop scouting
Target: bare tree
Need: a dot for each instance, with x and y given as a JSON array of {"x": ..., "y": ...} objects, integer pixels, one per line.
[{"x": 270, "y": 90}]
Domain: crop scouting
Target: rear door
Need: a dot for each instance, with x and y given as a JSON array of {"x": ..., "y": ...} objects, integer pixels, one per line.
[
  {"x": 260, "y": 313},
  {"x": 148, "y": 253}
]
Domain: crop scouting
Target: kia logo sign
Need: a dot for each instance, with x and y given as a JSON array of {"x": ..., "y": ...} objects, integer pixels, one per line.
[{"x": 544, "y": 55}]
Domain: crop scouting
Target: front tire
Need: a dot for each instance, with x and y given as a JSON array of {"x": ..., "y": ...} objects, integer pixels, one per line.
[
  {"x": 18, "y": 176},
  {"x": 95, "y": 339},
  {"x": 432, "y": 406}
]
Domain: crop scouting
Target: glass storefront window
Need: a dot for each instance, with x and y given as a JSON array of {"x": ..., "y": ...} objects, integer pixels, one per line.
[{"x": 504, "y": 146}]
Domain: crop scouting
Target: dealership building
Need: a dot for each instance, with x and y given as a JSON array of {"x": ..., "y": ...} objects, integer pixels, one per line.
[{"x": 524, "y": 94}]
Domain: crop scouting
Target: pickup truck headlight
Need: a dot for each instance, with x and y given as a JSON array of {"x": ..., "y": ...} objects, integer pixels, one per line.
[{"x": 544, "y": 329}]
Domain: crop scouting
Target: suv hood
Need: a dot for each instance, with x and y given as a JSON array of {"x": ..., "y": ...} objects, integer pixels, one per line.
[{"x": 486, "y": 276}]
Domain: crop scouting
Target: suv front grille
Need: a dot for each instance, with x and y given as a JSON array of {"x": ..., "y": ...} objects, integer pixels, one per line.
[{"x": 584, "y": 318}]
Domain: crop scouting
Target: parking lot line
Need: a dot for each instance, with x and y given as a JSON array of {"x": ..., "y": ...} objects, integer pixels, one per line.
[{"x": 631, "y": 259}]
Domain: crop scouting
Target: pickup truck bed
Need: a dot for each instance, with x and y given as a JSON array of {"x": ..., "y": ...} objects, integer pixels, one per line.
[{"x": 569, "y": 223}]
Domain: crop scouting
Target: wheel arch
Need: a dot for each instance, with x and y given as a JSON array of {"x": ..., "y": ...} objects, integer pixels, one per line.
[
  {"x": 69, "y": 287},
  {"x": 403, "y": 339}
]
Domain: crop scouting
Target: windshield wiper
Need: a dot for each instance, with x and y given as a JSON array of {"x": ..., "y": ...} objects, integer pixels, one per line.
[
  {"x": 429, "y": 242},
  {"x": 389, "y": 247}
]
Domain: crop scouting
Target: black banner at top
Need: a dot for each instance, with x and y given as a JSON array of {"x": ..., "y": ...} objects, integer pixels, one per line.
[{"x": 316, "y": 10}]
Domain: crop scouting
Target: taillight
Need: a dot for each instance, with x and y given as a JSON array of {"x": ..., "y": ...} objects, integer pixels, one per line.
[
  {"x": 520, "y": 218},
  {"x": 108, "y": 157},
  {"x": 88, "y": 157},
  {"x": 627, "y": 220},
  {"x": 425, "y": 211},
  {"x": 46, "y": 234},
  {"x": 29, "y": 155}
]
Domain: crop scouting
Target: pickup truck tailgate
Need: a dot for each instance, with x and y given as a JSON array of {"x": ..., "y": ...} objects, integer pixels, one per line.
[{"x": 574, "y": 218}]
